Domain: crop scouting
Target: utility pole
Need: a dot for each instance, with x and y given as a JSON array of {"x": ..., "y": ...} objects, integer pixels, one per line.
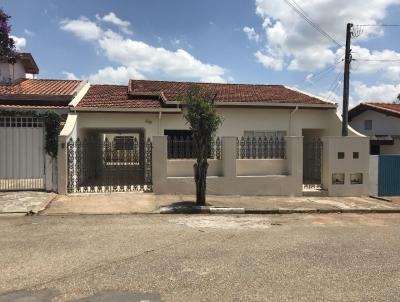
[{"x": 346, "y": 81}]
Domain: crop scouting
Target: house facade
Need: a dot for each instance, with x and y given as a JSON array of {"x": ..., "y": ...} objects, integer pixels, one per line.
[
  {"x": 381, "y": 123},
  {"x": 24, "y": 162},
  {"x": 274, "y": 140}
]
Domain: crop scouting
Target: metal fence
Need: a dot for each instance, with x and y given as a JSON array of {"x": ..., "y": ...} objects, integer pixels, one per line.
[
  {"x": 118, "y": 165},
  {"x": 182, "y": 148},
  {"x": 261, "y": 148}
]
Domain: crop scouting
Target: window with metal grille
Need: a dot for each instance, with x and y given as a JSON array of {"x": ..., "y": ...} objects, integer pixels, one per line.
[{"x": 20, "y": 122}]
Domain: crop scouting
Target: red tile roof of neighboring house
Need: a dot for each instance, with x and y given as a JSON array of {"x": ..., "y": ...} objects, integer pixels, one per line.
[
  {"x": 30, "y": 93},
  {"x": 29, "y": 87},
  {"x": 231, "y": 93},
  {"x": 111, "y": 96},
  {"x": 387, "y": 108}
]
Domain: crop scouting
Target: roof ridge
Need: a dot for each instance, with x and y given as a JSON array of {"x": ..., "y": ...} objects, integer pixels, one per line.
[{"x": 212, "y": 83}]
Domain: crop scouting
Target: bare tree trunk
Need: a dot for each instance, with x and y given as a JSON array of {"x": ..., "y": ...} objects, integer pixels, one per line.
[{"x": 200, "y": 176}]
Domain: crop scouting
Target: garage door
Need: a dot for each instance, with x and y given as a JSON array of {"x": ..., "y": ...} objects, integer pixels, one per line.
[
  {"x": 21, "y": 153},
  {"x": 389, "y": 175}
]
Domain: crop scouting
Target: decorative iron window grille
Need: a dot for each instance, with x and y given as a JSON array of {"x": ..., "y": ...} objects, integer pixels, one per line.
[
  {"x": 261, "y": 147},
  {"x": 182, "y": 148}
]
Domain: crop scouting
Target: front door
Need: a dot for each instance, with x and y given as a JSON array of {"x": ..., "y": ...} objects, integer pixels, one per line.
[{"x": 312, "y": 161}]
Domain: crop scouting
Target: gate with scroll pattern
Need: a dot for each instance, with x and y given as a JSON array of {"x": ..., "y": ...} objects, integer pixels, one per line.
[{"x": 120, "y": 164}]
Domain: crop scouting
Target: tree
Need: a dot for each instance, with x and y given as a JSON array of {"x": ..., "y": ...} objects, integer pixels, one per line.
[
  {"x": 201, "y": 115},
  {"x": 8, "y": 51},
  {"x": 398, "y": 98}
]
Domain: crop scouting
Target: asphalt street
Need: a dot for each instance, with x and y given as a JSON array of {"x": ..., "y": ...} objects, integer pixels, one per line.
[{"x": 337, "y": 257}]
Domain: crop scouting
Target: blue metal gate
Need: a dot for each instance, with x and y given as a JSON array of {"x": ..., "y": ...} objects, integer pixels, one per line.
[{"x": 389, "y": 175}]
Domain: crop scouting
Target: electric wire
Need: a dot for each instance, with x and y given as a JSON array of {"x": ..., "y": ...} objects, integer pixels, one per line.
[{"x": 296, "y": 7}]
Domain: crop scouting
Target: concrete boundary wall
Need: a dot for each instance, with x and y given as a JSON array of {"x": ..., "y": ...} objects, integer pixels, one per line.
[
  {"x": 343, "y": 159},
  {"x": 229, "y": 183},
  {"x": 184, "y": 167},
  {"x": 261, "y": 167},
  {"x": 373, "y": 174}
]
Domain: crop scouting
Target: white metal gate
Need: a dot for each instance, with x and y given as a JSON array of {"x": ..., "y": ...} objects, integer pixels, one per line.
[{"x": 21, "y": 153}]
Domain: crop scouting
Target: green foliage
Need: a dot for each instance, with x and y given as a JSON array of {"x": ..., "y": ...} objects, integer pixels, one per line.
[
  {"x": 51, "y": 123},
  {"x": 7, "y": 44},
  {"x": 201, "y": 115}
]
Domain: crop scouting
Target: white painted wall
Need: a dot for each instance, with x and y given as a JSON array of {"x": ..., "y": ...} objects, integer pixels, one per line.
[
  {"x": 229, "y": 183},
  {"x": 236, "y": 121},
  {"x": 382, "y": 124},
  {"x": 373, "y": 174},
  {"x": 332, "y": 164},
  {"x": 184, "y": 167},
  {"x": 11, "y": 72},
  {"x": 259, "y": 167}
]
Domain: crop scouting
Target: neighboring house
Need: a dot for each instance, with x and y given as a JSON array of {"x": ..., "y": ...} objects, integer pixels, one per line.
[
  {"x": 381, "y": 123},
  {"x": 108, "y": 134},
  {"x": 23, "y": 161}
]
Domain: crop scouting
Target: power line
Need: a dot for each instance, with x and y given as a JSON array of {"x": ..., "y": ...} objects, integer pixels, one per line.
[
  {"x": 321, "y": 73},
  {"x": 380, "y": 25},
  {"x": 377, "y": 60},
  {"x": 296, "y": 7}
]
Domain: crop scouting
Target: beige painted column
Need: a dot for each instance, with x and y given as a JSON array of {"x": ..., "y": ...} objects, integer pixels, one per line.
[
  {"x": 62, "y": 178},
  {"x": 294, "y": 154},
  {"x": 159, "y": 164},
  {"x": 229, "y": 156}
]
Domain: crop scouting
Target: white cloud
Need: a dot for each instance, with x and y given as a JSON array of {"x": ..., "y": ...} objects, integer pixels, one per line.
[
  {"x": 275, "y": 63},
  {"x": 109, "y": 75},
  {"x": 139, "y": 59},
  {"x": 390, "y": 70},
  {"x": 83, "y": 28},
  {"x": 112, "y": 18},
  {"x": 70, "y": 75},
  {"x": 376, "y": 93},
  {"x": 28, "y": 32},
  {"x": 251, "y": 34},
  {"x": 148, "y": 59},
  {"x": 20, "y": 42},
  {"x": 301, "y": 47}
]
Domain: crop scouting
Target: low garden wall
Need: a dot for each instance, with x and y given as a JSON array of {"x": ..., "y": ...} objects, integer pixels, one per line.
[{"x": 229, "y": 175}]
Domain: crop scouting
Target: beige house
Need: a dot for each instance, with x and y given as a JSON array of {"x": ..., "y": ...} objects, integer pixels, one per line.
[
  {"x": 274, "y": 140},
  {"x": 381, "y": 123}
]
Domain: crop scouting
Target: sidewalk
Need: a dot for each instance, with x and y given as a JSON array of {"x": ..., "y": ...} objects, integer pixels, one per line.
[
  {"x": 24, "y": 202},
  {"x": 131, "y": 203}
]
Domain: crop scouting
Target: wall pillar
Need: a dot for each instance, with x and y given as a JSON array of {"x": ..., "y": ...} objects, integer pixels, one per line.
[
  {"x": 229, "y": 156},
  {"x": 62, "y": 165},
  {"x": 159, "y": 162},
  {"x": 294, "y": 155}
]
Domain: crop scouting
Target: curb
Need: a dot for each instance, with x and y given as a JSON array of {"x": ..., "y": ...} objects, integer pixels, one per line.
[{"x": 215, "y": 210}]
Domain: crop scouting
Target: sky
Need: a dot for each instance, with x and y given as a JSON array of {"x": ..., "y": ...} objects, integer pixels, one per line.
[{"x": 254, "y": 41}]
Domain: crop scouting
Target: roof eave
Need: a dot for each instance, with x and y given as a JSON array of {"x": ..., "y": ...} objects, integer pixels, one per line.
[{"x": 124, "y": 109}]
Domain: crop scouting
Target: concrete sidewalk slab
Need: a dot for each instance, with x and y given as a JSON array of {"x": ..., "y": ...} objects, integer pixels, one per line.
[
  {"x": 24, "y": 202},
  {"x": 110, "y": 203},
  {"x": 132, "y": 203}
]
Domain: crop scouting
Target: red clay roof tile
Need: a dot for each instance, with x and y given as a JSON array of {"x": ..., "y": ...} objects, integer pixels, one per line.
[
  {"x": 32, "y": 87},
  {"x": 115, "y": 96},
  {"x": 226, "y": 92}
]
